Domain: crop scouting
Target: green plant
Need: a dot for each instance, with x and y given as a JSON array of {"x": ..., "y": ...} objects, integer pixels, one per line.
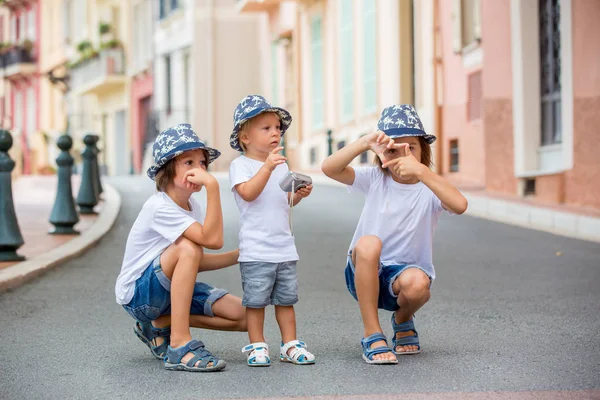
[
  {"x": 83, "y": 46},
  {"x": 27, "y": 45},
  {"x": 110, "y": 44},
  {"x": 104, "y": 28}
]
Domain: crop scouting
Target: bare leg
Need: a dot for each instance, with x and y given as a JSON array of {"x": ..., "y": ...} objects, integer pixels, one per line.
[
  {"x": 412, "y": 288},
  {"x": 256, "y": 322},
  {"x": 366, "y": 255},
  {"x": 286, "y": 319}
]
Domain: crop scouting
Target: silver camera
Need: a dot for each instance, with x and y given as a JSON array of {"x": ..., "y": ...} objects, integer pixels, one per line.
[{"x": 293, "y": 181}]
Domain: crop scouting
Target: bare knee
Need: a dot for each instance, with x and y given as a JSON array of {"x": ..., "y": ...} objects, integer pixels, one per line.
[
  {"x": 188, "y": 249},
  {"x": 242, "y": 323},
  {"x": 414, "y": 285},
  {"x": 367, "y": 251}
]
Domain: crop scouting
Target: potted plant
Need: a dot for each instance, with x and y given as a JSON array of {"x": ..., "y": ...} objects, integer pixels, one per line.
[
  {"x": 104, "y": 28},
  {"x": 111, "y": 44}
]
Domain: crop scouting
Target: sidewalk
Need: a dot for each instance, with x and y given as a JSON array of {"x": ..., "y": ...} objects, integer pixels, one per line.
[
  {"x": 575, "y": 222},
  {"x": 34, "y": 197}
]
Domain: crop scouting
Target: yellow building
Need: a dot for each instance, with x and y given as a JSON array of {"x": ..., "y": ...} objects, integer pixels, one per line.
[{"x": 97, "y": 32}]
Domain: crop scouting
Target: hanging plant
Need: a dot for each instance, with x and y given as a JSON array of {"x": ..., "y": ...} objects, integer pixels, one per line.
[
  {"x": 104, "y": 28},
  {"x": 83, "y": 46},
  {"x": 27, "y": 45}
]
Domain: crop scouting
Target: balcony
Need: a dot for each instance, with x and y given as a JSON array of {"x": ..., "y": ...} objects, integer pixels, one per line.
[
  {"x": 16, "y": 4},
  {"x": 16, "y": 62},
  {"x": 99, "y": 74},
  {"x": 256, "y": 5}
]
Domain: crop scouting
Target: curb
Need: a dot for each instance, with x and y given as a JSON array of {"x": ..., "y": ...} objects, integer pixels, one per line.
[{"x": 16, "y": 275}]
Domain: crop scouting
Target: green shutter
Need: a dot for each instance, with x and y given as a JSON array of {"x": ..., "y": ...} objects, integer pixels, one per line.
[
  {"x": 347, "y": 60},
  {"x": 274, "y": 74},
  {"x": 318, "y": 86},
  {"x": 370, "y": 55}
]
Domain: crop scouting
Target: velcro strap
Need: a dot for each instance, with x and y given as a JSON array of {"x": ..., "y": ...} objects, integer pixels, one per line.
[
  {"x": 253, "y": 346},
  {"x": 195, "y": 345}
]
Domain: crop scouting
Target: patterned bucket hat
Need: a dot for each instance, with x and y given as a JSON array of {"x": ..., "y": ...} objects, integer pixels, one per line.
[
  {"x": 173, "y": 142},
  {"x": 250, "y": 107},
  {"x": 402, "y": 120}
]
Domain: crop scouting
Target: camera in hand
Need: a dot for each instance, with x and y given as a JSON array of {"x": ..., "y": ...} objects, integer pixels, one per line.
[{"x": 293, "y": 181}]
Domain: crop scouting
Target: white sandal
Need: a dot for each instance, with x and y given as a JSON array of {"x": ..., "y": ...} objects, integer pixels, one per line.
[
  {"x": 297, "y": 355},
  {"x": 259, "y": 354}
]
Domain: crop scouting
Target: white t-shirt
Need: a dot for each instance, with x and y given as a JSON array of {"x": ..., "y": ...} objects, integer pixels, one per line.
[
  {"x": 160, "y": 223},
  {"x": 403, "y": 216},
  {"x": 264, "y": 223}
]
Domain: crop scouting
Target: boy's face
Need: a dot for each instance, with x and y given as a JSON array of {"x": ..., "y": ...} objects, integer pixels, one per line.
[
  {"x": 185, "y": 162},
  {"x": 263, "y": 133},
  {"x": 415, "y": 149}
]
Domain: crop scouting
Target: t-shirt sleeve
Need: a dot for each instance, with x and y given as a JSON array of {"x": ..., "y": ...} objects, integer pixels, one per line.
[
  {"x": 170, "y": 222},
  {"x": 437, "y": 205},
  {"x": 363, "y": 178},
  {"x": 239, "y": 172}
]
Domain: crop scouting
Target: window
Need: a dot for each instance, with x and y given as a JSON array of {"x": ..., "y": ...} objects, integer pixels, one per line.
[
  {"x": 186, "y": 86},
  {"x": 466, "y": 20},
  {"x": 346, "y": 72},
  {"x": 529, "y": 189},
  {"x": 2, "y": 29},
  {"x": 165, "y": 7},
  {"x": 313, "y": 155},
  {"x": 370, "y": 55},
  {"x": 318, "y": 85},
  {"x": 454, "y": 155},
  {"x": 168, "y": 83},
  {"x": 550, "y": 71},
  {"x": 364, "y": 157},
  {"x": 30, "y": 111},
  {"x": 341, "y": 144},
  {"x": 474, "y": 100},
  {"x": 31, "y": 24}
]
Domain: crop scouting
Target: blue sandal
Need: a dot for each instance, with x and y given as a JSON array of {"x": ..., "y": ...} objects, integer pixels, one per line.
[
  {"x": 147, "y": 333},
  {"x": 368, "y": 352},
  {"x": 196, "y": 347},
  {"x": 412, "y": 340}
]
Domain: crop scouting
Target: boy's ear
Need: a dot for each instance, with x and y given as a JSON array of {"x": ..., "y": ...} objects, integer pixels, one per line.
[{"x": 244, "y": 138}]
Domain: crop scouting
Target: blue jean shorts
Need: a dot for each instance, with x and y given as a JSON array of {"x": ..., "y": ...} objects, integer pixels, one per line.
[
  {"x": 269, "y": 283},
  {"x": 152, "y": 297},
  {"x": 387, "y": 275}
]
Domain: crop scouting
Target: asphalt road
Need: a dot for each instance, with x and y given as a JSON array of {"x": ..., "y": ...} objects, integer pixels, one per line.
[{"x": 512, "y": 310}]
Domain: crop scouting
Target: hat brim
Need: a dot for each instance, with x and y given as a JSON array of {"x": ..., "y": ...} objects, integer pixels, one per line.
[
  {"x": 284, "y": 116},
  {"x": 405, "y": 132},
  {"x": 213, "y": 154}
]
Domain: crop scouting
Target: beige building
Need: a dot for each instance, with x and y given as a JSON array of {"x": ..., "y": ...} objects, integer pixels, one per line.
[{"x": 336, "y": 64}]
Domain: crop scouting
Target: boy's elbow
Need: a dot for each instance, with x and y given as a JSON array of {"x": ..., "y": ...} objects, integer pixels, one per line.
[
  {"x": 215, "y": 244},
  {"x": 463, "y": 206},
  {"x": 326, "y": 169}
]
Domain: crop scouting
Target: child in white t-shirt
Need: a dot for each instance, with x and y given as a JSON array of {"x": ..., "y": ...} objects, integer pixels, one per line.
[
  {"x": 164, "y": 253},
  {"x": 389, "y": 263},
  {"x": 267, "y": 251}
]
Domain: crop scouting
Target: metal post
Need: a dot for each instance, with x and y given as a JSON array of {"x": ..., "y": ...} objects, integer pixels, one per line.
[
  {"x": 97, "y": 164},
  {"x": 329, "y": 143},
  {"x": 64, "y": 215},
  {"x": 88, "y": 191},
  {"x": 10, "y": 234}
]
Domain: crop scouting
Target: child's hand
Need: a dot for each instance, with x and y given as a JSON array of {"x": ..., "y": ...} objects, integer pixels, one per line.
[
  {"x": 274, "y": 159},
  {"x": 199, "y": 177},
  {"x": 406, "y": 166},
  {"x": 304, "y": 192},
  {"x": 378, "y": 142}
]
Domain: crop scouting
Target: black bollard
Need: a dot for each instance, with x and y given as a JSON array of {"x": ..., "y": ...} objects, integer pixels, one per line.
[
  {"x": 64, "y": 215},
  {"x": 97, "y": 164},
  {"x": 88, "y": 191},
  {"x": 10, "y": 234}
]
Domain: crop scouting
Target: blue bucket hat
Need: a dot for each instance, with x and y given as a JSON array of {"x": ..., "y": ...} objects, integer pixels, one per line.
[
  {"x": 173, "y": 142},
  {"x": 250, "y": 107},
  {"x": 402, "y": 120}
]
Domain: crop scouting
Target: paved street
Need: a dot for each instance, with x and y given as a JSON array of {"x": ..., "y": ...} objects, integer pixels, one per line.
[{"x": 511, "y": 310}]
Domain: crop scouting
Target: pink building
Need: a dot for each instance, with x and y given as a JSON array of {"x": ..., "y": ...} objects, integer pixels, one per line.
[
  {"x": 19, "y": 71},
  {"x": 520, "y": 86}
]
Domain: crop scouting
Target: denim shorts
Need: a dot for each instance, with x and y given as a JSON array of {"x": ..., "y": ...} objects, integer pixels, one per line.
[
  {"x": 269, "y": 283},
  {"x": 387, "y": 275},
  {"x": 152, "y": 297}
]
